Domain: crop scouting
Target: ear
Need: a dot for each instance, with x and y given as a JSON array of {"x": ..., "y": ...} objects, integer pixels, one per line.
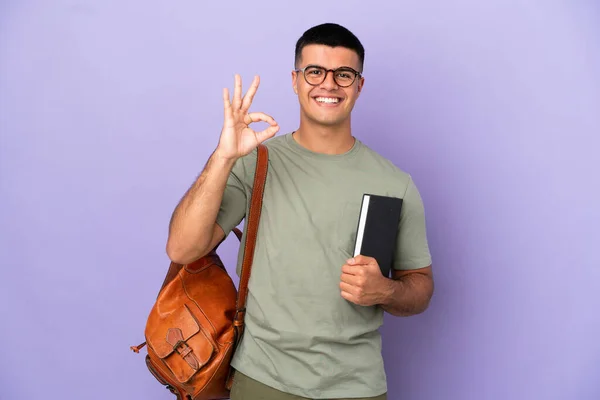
[
  {"x": 295, "y": 81},
  {"x": 361, "y": 82}
]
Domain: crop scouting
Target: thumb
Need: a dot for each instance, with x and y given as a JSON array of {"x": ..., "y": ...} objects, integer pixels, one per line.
[
  {"x": 361, "y": 260},
  {"x": 267, "y": 133}
]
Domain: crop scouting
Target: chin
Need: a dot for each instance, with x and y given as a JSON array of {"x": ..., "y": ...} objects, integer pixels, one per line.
[
  {"x": 332, "y": 122},
  {"x": 328, "y": 121}
]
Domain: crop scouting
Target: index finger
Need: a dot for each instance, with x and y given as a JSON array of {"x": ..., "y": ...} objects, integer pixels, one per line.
[
  {"x": 247, "y": 101},
  {"x": 351, "y": 269}
]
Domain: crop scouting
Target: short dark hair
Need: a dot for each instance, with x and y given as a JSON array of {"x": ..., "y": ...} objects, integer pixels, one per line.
[{"x": 333, "y": 35}]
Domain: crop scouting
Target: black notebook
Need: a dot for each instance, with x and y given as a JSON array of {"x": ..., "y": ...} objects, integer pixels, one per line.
[{"x": 378, "y": 229}]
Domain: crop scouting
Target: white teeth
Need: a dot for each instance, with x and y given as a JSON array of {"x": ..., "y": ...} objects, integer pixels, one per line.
[{"x": 327, "y": 100}]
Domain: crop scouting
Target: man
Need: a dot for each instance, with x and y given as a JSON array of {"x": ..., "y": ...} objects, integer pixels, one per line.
[{"x": 313, "y": 311}]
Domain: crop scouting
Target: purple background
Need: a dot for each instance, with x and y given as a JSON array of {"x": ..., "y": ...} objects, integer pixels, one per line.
[{"x": 109, "y": 110}]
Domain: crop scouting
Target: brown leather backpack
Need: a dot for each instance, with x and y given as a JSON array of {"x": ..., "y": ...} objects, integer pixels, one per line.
[{"x": 198, "y": 319}]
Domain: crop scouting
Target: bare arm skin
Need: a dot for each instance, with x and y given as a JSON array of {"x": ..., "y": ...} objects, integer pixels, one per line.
[
  {"x": 406, "y": 293},
  {"x": 193, "y": 230}
]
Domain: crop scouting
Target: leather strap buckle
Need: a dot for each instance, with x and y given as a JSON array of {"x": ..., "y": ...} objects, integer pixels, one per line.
[
  {"x": 182, "y": 348},
  {"x": 237, "y": 320}
]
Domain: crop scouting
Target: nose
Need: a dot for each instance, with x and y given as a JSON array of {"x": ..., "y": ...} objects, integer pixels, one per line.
[{"x": 329, "y": 81}]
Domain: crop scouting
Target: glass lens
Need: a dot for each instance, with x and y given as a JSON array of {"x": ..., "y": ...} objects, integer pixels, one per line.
[
  {"x": 344, "y": 77},
  {"x": 314, "y": 75}
]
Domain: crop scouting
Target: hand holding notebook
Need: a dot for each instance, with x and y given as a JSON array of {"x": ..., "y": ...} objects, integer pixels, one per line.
[{"x": 362, "y": 283}]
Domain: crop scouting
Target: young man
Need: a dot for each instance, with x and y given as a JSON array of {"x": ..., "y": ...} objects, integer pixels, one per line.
[{"x": 313, "y": 311}]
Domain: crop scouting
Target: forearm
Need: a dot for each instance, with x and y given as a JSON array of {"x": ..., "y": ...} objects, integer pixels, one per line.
[
  {"x": 407, "y": 295},
  {"x": 193, "y": 220}
]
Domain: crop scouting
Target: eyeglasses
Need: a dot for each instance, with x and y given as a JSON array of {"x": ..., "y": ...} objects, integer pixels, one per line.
[{"x": 315, "y": 75}]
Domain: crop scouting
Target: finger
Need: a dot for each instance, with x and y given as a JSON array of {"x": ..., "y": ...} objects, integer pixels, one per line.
[
  {"x": 349, "y": 297},
  {"x": 352, "y": 269},
  {"x": 345, "y": 288},
  {"x": 237, "y": 92},
  {"x": 259, "y": 116},
  {"x": 267, "y": 133},
  {"x": 355, "y": 281},
  {"x": 226, "y": 102},
  {"x": 361, "y": 260},
  {"x": 349, "y": 279},
  {"x": 247, "y": 101},
  {"x": 227, "y": 105}
]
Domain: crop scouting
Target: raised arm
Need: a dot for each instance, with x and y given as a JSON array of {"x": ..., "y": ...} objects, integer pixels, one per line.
[{"x": 193, "y": 230}]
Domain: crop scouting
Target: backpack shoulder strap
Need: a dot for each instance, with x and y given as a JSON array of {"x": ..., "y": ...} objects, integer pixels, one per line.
[{"x": 260, "y": 178}]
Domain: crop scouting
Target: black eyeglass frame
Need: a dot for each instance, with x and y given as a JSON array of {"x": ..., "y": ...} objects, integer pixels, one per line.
[{"x": 333, "y": 71}]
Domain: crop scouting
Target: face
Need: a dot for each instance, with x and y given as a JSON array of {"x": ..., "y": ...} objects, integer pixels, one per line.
[{"x": 328, "y": 103}]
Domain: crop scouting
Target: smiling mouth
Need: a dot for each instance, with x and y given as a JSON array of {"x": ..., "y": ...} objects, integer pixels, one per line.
[{"x": 327, "y": 100}]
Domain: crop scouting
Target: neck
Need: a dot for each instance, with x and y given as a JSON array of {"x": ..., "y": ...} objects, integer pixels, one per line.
[{"x": 334, "y": 139}]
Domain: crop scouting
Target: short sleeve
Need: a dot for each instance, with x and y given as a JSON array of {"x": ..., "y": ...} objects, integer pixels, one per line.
[
  {"x": 412, "y": 246},
  {"x": 233, "y": 205}
]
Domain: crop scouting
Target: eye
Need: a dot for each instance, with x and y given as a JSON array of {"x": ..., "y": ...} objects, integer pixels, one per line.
[{"x": 344, "y": 75}]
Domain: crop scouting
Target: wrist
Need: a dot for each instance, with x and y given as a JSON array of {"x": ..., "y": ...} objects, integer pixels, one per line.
[
  {"x": 389, "y": 288},
  {"x": 223, "y": 159}
]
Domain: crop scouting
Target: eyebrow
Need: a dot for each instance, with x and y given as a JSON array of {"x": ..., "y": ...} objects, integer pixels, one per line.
[{"x": 320, "y": 66}]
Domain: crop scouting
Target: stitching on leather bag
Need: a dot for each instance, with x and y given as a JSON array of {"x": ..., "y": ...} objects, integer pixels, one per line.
[
  {"x": 164, "y": 375},
  {"x": 214, "y": 330},
  {"x": 213, "y": 375},
  {"x": 203, "y": 330},
  {"x": 207, "y": 263}
]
